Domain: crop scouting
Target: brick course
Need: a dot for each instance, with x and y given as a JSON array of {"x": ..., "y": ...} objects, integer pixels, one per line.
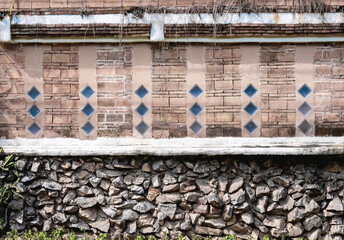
[
  {"x": 61, "y": 90},
  {"x": 114, "y": 81}
]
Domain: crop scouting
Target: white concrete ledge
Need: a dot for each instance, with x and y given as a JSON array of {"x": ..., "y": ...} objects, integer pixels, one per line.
[{"x": 180, "y": 146}]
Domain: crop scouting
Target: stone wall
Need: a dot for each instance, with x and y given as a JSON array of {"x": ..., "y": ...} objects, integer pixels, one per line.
[{"x": 250, "y": 197}]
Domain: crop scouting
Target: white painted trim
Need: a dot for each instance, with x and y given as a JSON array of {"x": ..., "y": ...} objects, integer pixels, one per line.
[
  {"x": 191, "y": 40},
  {"x": 176, "y": 146},
  {"x": 5, "y": 30}
]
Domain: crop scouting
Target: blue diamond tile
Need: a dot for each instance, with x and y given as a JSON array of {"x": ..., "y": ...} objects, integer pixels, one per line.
[
  {"x": 34, "y": 111},
  {"x": 142, "y": 127},
  {"x": 142, "y": 109},
  {"x": 196, "y": 109},
  {"x": 88, "y": 110},
  {"x": 250, "y": 90},
  {"x": 251, "y": 126},
  {"x": 87, "y": 128},
  {"x": 196, "y": 127},
  {"x": 196, "y": 91},
  {"x": 251, "y": 108},
  {"x": 34, "y": 128},
  {"x": 305, "y": 126},
  {"x": 141, "y": 92},
  {"x": 87, "y": 92},
  {"x": 305, "y": 90},
  {"x": 305, "y": 108},
  {"x": 33, "y": 93}
]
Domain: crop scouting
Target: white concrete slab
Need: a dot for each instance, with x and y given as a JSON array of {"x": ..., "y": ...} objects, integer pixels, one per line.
[{"x": 182, "y": 146}]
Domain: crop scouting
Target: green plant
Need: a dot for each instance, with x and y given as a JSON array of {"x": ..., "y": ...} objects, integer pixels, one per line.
[
  {"x": 150, "y": 237},
  {"x": 72, "y": 236},
  {"x": 140, "y": 237},
  {"x": 102, "y": 236},
  {"x": 229, "y": 237},
  {"x": 57, "y": 233}
]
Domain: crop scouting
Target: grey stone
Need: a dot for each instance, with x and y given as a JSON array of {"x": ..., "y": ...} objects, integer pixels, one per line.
[
  {"x": 59, "y": 218},
  {"x": 102, "y": 225},
  {"x": 215, "y": 201},
  {"x": 71, "y": 209},
  {"x": 18, "y": 216},
  {"x": 146, "y": 168},
  {"x": 287, "y": 203},
  {"x": 187, "y": 187},
  {"x": 156, "y": 182},
  {"x": 227, "y": 212},
  {"x": 21, "y": 164},
  {"x": 312, "y": 222},
  {"x": 52, "y": 185},
  {"x": 168, "y": 198},
  {"x": 259, "y": 224},
  {"x": 129, "y": 215},
  {"x": 73, "y": 219},
  {"x": 294, "y": 230},
  {"x": 152, "y": 194},
  {"x": 88, "y": 214},
  {"x": 247, "y": 217},
  {"x": 337, "y": 230},
  {"x": 236, "y": 184},
  {"x": 335, "y": 205},
  {"x": 200, "y": 208},
  {"x": 145, "y": 220},
  {"x": 110, "y": 211},
  {"x": 278, "y": 194},
  {"x": 35, "y": 166},
  {"x": 238, "y": 197},
  {"x": 172, "y": 163},
  {"x": 314, "y": 234},
  {"x": 262, "y": 190},
  {"x": 203, "y": 185},
  {"x": 240, "y": 227},
  {"x": 159, "y": 166},
  {"x": 295, "y": 215},
  {"x": 127, "y": 204},
  {"x": 131, "y": 227},
  {"x": 147, "y": 230},
  {"x": 223, "y": 184},
  {"x": 113, "y": 173},
  {"x": 261, "y": 204},
  {"x": 168, "y": 210},
  {"x": 200, "y": 167},
  {"x": 170, "y": 188},
  {"x": 84, "y": 202},
  {"x": 274, "y": 222},
  {"x": 169, "y": 179},
  {"x": 137, "y": 189},
  {"x": 208, "y": 231},
  {"x": 144, "y": 207},
  {"x": 138, "y": 180},
  {"x": 192, "y": 196},
  {"x": 216, "y": 223},
  {"x": 114, "y": 200},
  {"x": 118, "y": 182},
  {"x": 47, "y": 225},
  {"x": 113, "y": 191},
  {"x": 70, "y": 196},
  {"x": 16, "y": 204},
  {"x": 185, "y": 226},
  {"x": 105, "y": 184},
  {"x": 284, "y": 182},
  {"x": 76, "y": 165}
]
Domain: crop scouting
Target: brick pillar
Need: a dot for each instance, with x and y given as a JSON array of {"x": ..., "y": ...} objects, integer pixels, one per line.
[
  {"x": 12, "y": 94},
  {"x": 114, "y": 81},
  {"x": 169, "y": 91},
  {"x": 329, "y": 89},
  {"x": 61, "y": 90},
  {"x": 277, "y": 64},
  {"x": 223, "y": 91}
]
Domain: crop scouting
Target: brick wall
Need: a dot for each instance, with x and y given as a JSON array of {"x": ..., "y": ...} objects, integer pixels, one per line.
[
  {"x": 169, "y": 91},
  {"x": 329, "y": 89},
  {"x": 223, "y": 91},
  {"x": 277, "y": 90},
  {"x": 61, "y": 90},
  {"x": 12, "y": 96},
  {"x": 168, "y": 77},
  {"x": 114, "y": 81}
]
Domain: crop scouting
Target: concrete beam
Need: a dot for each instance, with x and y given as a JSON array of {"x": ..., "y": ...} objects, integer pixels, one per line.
[{"x": 169, "y": 147}]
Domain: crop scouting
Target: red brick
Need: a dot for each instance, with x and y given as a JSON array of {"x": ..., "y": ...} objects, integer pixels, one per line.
[{"x": 61, "y": 89}]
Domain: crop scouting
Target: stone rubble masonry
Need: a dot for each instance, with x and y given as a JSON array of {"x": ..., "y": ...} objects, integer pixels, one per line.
[
  {"x": 290, "y": 196},
  {"x": 12, "y": 94},
  {"x": 226, "y": 75},
  {"x": 61, "y": 90},
  {"x": 277, "y": 80},
  {"x": 329, "y": 89},
  {"x": 114, "y": 81},
  {"x": 223, "y": 87},
  {"x": 169, "y": 91}
]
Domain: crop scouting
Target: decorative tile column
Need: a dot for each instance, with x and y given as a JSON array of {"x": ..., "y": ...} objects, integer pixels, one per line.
[
  {"x": 34, "y": 88},
  {"x": 88, "y": 92},
  {"x": 142, "y": 91},
  {"x": 250, "y": 94},
  {"x": 195, "y": 81},
  {"x": 304, "y": 91}
]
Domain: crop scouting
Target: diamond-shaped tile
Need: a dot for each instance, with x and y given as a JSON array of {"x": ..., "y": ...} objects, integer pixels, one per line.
[
  {"x": 250, "y": 91},
  {"x": 305, "y": 108},
  {"x": 305, "y": 126},
  {"x": 87, "y": 128},
  {"x": 87, "y": 92},
  {"x": 141, "y": 92},
  {"x": 251, "y": 108},
  {"x": 33, "y": 93},
  {"x": 142, "y": 127},
  {"x": 196, "y": 127},
  {"x": 34, "y": 128},
  {"x": 305, "y": 90},
  {"x": 196, "y": 91},
  {"x": 34, "y": 111},
  {"x": 251, "y": 126},
  {"x": 88, "y": 110},
  {"x": 142, "y": 109},
  {"x": 196, "y": 109}
]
